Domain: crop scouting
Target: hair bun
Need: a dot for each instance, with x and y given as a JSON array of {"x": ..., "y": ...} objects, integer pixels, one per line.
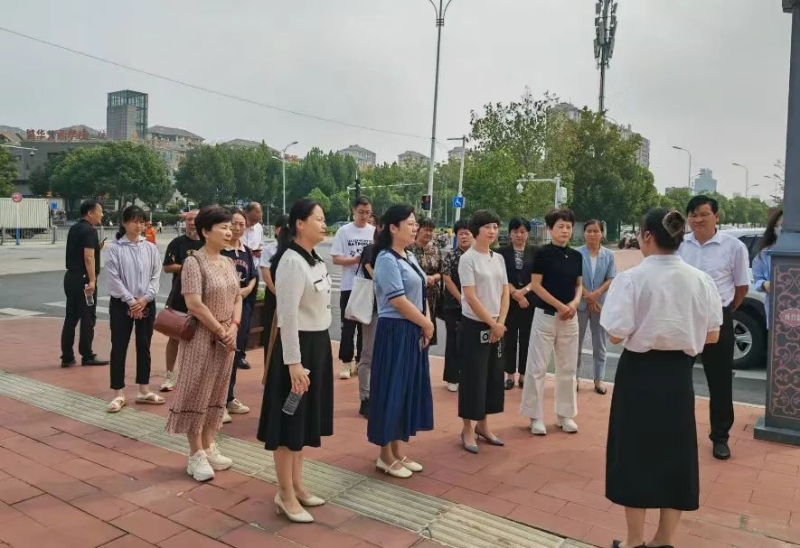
[{"x": 674, "y": 223}]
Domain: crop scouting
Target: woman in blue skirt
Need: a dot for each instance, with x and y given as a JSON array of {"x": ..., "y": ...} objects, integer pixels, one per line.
[{"x": 400, "y": 403}]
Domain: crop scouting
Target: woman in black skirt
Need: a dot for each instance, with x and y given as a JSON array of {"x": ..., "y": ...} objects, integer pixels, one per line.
[
  {"x": 665, "y": 312},
  {"x": 301, "y": 360},
  {"x": 484, "y": 306}
]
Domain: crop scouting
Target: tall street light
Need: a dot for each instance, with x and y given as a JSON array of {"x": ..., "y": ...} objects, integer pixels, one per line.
[
  {"x": 463, "y": 140},
  {"x": 440, "y": 13},
  {"x": 690, "y": 164},
  {"x": 283, "y": 159},
  {"x": 746, "y": 179},
  {"x": 605, "y": 33}
]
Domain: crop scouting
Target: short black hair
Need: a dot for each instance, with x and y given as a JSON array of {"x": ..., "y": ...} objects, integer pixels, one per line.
[
  {"x": 560, "y": 214},
  {"x": 426, "y": 222},
  {"x": 280, "y": 220},
  {"x": 481, "y": 218},
  {"x": 210, "y": 216},
  {"x": 701, "y": 200},
  {"x": 519, "y": 222},
  {"x": 593, "y": 222},
  {"x": 666, "y": 226},
  {"x": 88, "y": 206},
  {"x": 236, "y": 211},
  {"x": 461, "y": 224},
  {"x": 361, "y": 201}
]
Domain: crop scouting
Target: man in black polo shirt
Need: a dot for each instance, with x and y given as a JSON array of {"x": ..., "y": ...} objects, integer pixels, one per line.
[
  {"x": 80, "y": 283},
  {"x": 177, "y": 251},
  {"x": 556, "y": 283}
]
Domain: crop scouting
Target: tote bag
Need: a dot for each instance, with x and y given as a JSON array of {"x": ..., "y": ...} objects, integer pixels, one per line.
[{"x": 362, "y": 300}]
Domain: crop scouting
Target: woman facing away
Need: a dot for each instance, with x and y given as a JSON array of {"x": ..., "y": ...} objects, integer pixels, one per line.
[
  {"x": 301, "y": 361},
  {"x": 664, "y": 312},
  {"x": 598, "y": 271},
  {"x": 133, "y": 270},
  {"x": 762, "y": 264},
  {"x": 400, "y": 403},
  {"x": 210, "y": 286}
]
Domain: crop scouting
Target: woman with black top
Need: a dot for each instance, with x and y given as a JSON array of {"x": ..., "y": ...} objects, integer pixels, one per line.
[
  {"x": 301, "y": 360},
  {"x": 518, "y": 256},
  {"x": 484, "y": 307},
  {"x": 651, "y": 453},
  {"x": 451, "y": 304}
]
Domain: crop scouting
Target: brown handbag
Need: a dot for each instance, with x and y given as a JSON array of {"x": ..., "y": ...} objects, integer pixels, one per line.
[{"x": 174, "y": 324}]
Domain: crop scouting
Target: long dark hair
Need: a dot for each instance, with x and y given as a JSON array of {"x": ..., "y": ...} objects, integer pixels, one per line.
[
  {"x": 130, "y": 213},
  {"x": 770, "y": 237},
  {"x": 301, "y": 210},
  {"x": 393, "y": 216}
]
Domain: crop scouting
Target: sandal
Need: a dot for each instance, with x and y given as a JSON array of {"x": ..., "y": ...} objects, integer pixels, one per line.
[
  {"x": 116, "y": 404},
  {"x": 151, "y": 398}
]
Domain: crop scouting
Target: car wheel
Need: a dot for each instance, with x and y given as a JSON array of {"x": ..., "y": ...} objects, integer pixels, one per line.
[{"x": 750, "y": 341}]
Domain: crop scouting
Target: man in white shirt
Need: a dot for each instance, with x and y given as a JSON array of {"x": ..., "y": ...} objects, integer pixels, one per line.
[
  {"x": 726, "y": 260},
  {"x": 254, "y": 232},
  {"x": 349, "y": 242}
]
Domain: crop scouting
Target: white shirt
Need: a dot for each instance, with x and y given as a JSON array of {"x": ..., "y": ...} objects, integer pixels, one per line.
[
  {"x": 487, "y": 273},
  {"x": 662, "y": 304},
  {"x": 349, "y": 242},
  {"x": 723, "y": 257},
  {"x": 593, "y": 263},
  {"x": 253, "y": 235},
  {"x": 303, "y": 301},
  {"x": 269, "y": 251}
]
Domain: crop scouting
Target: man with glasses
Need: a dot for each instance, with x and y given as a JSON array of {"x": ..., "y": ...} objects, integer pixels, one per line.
[
  {"x": 726, "y": 260},
  {"x": 349, "y": 243}
]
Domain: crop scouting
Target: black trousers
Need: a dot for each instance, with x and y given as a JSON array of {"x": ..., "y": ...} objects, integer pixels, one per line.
[
  {"x": 518, "y": 335},
  {"x": 480, "y": 391},
  {"x": 451, "y": 318},
  {"x": 241, "y": 343},
  {"x": 77, "y": 311},
  {"x": 718, "y": 366},
  {"x": 350, "y": 329},
  {"x": 121, "y": 326}
]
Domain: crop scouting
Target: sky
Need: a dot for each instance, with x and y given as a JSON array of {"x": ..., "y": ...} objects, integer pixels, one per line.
[{"x": 710, "y": 76}]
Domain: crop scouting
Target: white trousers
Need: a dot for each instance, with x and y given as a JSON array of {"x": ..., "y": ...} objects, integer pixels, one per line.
[{"x": 551, "y": 335}]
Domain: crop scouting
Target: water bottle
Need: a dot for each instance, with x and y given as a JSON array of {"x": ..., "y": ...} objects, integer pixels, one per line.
[
  {"x": 293, "y": 400},
  {"x": 89, "y": 296}
]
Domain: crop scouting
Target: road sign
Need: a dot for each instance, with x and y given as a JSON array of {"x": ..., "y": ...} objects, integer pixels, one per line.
[
  {"x": 458, "y": 202},
  {"x": 16, "y": 197},
  {"x": 54, "y": 206}
]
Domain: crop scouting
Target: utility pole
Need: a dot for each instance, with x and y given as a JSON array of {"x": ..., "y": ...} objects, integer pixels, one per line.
[
  {"x": 463, "y": 140},
  {"x": 689, "y": 181},
  {"x": 605, "y": 34}
]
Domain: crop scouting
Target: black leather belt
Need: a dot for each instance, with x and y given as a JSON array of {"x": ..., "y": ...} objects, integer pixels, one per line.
[{"x": 547, "y": 311}]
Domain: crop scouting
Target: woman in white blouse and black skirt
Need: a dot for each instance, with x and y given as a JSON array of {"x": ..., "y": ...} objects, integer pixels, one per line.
[
  {"x": 301, "y": 360},
  {"x": 664, "y": 312}
]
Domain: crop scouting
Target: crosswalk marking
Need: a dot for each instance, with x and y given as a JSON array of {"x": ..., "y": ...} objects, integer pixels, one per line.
[
  {"x": 99, "y": 309},
  {"x": 19, "y": 312}
]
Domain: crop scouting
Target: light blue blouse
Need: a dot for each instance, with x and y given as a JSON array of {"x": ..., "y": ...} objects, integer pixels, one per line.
[
  {"x": 762, "y": 272},
  {"x": 395, "y": 277},
  {"x": 604, "y": 270}
]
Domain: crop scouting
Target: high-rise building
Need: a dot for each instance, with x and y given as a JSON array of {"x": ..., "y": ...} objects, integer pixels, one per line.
[
  {"x": 126, "y": 115},
  {"x": 705, "y": 182},
  {"x": 362, "y": 156},
  {"x": 411, "y": 157}
]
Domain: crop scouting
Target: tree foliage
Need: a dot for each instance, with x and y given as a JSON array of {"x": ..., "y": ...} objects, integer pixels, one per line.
[{"x": 8, "y": 172}]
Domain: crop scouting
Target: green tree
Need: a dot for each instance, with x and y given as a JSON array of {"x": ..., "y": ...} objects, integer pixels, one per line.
[
  {"x": 40, "y": 180},
  {"x": 207, "y": 175},
  {"x": 321, "y": 198},
  {"x": 8, "y": 172}
]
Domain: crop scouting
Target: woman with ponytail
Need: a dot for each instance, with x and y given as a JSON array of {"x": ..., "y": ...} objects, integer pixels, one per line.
[
  {"x": 301, "y": 360},
  {"x": 400, "y": 403}
]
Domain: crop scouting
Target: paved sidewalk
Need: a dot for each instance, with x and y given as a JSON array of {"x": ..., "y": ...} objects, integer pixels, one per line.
[{"x": 553, "y": 483}]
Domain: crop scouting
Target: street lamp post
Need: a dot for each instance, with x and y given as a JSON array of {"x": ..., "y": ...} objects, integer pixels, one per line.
[
  {"x": 691, "y": 187},
  {"x": 605, "y": 33},
  {"x": 746, "y": 179},
  {"x": 441, "y": 11},
  {"x": 463, "y": 140},
  {"x": 781, "y": 421},
  {"x": 283, "y": 159},
  {"x": 531, "y": 178}
]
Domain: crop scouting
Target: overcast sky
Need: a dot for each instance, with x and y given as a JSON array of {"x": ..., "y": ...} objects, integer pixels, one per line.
[{"x": 707, "y": 75}]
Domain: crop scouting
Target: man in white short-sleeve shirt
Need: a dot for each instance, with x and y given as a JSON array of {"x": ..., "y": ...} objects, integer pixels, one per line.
[
  {"x": 348, "y": 244},
  {"x": 726, "y": 260},
  {"x": 254, "y": 232}
]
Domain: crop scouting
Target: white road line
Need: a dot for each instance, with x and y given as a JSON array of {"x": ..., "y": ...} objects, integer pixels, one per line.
[
  {"x": 19, "y": 312},
  {"x": 100, "y": 309}
]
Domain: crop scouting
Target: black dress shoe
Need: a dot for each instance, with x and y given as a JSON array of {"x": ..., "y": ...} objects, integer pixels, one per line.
[
  {"x": 618, "y": 543},
  {"x": 721, "y": 450},
  {"x": 363, "y": 409},
  {"x": 94, "y": 361},
  {"x": 509, "y": 384},
  {"x": 243, "y": 364},
  {"x": 68, "y": 363},
  {"x": 520, "y": 382}
]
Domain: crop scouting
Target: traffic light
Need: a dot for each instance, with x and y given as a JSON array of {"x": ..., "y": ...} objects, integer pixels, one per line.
[
  {"x": 426, "y": 202},
  {"x": 358, "y": 187}
]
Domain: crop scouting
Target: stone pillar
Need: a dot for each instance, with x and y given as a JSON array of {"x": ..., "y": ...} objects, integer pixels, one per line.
[{"x": 781, "y": 422}]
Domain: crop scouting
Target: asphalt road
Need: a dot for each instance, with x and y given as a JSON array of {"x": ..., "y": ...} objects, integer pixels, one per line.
[{"x": 41, "y": 293}]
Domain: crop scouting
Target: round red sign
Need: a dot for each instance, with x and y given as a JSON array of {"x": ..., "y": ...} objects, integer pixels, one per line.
[{"x": 16, "y": 197}]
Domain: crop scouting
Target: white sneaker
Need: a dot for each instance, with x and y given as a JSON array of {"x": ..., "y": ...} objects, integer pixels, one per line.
[
  {"x": 226, "y": 418},
  {"x": 217, "y": 460},
  {"x": 237, "y": 408},
  {"x": 452, "y": 386},
  {"x": 567, "y": 425},
  {"x": 345, "y": 371},
  {"x": 169, "y": 382},
  {"x": 199, "y": 468},
  {"x": 538, "y": 428},
  {"x": 354, "y": 369}
]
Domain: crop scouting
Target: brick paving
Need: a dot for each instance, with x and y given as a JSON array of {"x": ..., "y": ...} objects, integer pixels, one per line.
[{"x": 130, "y": 494}]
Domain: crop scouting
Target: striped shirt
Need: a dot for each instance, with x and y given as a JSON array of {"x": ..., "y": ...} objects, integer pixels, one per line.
[{"x": 133, "y": 270}]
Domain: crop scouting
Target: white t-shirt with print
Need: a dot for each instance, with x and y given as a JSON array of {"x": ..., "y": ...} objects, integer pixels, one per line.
[{"x": 349, "y": 242}]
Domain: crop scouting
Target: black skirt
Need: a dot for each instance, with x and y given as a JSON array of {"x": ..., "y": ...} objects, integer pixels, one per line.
[
  {"x": 651, "y": 455},
  {"x": 314, "y": 416},
  {"x": 480, "y": 390}
]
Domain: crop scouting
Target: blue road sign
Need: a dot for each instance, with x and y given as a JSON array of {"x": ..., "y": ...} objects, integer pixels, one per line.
[
  {"x": 53, "y": 206},
  {"x": 458, "y": 202}
]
